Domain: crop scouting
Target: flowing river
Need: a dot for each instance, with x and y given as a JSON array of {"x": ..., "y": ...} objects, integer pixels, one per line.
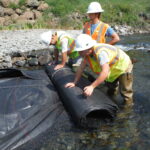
[{"x": 131, "y": 128}]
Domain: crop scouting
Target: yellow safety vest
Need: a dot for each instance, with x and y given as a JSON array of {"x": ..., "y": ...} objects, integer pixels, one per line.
[
  {"x": 119, "y": 61},
  {"x": 72, "y": 53},
  {"x": 99, "y": 32}
]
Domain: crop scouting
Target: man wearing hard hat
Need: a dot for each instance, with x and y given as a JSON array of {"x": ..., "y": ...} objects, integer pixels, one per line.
[
  {"x": 65, "y": 45},
  {"x": 110, "y": 64},
  {"x": 98, "y": 29}
]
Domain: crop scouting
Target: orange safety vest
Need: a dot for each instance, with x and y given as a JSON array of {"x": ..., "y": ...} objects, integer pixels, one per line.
[{"x": 99, "y": 32}]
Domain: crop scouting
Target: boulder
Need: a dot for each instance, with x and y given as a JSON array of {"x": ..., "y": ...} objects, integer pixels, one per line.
[
  {"x": 9, "y": 11},
  {"x": 43, "y": 6},
  {"x": 2, "y": 20},
  {"x": 33, "y": 3},
  {"x": 1, "y": 11},
  {"x": 18, "y": 11},
  {"x": 37, "y": 14},
  {"x": 6, "y": 3}
]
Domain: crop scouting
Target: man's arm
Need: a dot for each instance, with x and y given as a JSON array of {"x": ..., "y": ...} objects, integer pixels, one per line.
[
  {"x": 55, "y": 57},
  {"x": 78, "y": 74},
  {"x": 64, "y": 44},
  {"x": 113, "y": 35},
  {"x": 88, "y": 90},
  {"x": 103, "y": 75},
  {"x": 62, "y": 64},
  {"x": 114, "y": 39}
]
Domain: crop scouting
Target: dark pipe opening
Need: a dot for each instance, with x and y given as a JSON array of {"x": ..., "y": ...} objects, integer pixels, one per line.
[
  {"x": 99, "y": 114},
  {"x": 96, "y": 118}
]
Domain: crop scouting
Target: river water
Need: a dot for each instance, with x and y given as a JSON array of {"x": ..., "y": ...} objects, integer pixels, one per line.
[{"x": 131, "y": 128}]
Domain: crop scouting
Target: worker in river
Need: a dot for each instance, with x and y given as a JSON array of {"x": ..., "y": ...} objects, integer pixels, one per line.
[
  {"x": 97, "y": 29},
  {"x": 65, "y": 45},
  {"x": 110, "y": 63}
]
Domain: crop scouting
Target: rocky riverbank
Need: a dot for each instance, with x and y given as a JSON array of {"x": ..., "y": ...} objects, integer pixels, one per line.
[{"x": 23, "y": 48}]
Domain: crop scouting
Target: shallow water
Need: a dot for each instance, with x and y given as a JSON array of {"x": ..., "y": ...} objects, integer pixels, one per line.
[{"x": 131, "y": 128}]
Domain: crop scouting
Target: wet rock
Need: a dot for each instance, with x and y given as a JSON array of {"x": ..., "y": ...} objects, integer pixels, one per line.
[
  {"x": 44, "y": 59},
  {"x": 32, "y": 54},
  {"x": 15, "y": 59},
  {"x": 17, "y": 54},
  {"x": 7, "y": 65},
  {"x": 103, "y": 135},
  {"x": 33, "y": 62},
  {"x": 7, "y": 59},
  {"x": 20, "y": 63}
]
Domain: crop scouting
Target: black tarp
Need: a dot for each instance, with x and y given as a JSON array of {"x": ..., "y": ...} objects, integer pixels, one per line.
[
  {"x": 82, "y": 109},
  {"x": 29, "y": 105}
]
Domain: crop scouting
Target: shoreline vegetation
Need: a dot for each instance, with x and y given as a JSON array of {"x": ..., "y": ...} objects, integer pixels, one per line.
[{"x": 124, "y": 16}]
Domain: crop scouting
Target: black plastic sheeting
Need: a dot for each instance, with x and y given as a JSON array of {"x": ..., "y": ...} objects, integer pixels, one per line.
[
  {"x": 82, "y": 109},
  {"x": 29, "y": 105}
]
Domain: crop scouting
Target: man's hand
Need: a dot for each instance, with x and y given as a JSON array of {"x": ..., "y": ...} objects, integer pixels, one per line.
[
  {"x": 59, "y": 66},
  {"x": 70, "y": 85},
  {"x": 88, "y": 90}
]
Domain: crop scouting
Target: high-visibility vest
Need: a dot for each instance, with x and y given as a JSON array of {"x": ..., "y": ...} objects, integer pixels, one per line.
[
  {"x": 99, "y": 32},
  {"x": 71, "y": 44},
  {"x": 119, "y": 61}
]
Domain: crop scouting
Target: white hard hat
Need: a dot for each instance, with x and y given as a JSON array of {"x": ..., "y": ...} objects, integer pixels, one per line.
[
  {"x": 84, "y": 42},
  {"x": 94, "y": 7},
  {"x": 59, "y": 33},
  {"x": 46, "y": 37}
]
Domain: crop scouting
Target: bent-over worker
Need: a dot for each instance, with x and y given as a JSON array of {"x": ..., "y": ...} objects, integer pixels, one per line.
[
  {"x": 65, "y": 45},
  {"x": 110, "y": 63}
]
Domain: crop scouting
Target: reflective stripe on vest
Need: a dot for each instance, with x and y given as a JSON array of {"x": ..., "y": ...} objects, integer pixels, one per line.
[
  {"x": 99, "y": 32},
  {"x": 115, "y": 49},
  {"x": 71, "y": 42},
  {"x": 119, "y": 61}
]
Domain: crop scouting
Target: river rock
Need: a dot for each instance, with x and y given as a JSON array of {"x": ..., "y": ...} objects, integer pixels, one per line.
[
  {"x": 44, "y": 59},
  {"x": 33, "y": 62}
]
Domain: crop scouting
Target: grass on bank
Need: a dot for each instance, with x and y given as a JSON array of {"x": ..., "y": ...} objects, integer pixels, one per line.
[
  {"x": 116, "y": 12},
  {"x": 20, "y": 4}
]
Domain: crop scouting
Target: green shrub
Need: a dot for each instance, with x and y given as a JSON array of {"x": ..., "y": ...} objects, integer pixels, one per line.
[
  {"x": 22, "y": 2},
  {"x": 13, "y": 6}
]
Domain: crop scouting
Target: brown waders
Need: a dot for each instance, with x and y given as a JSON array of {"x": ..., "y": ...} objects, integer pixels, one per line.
[{"x": 124, "y": 84}]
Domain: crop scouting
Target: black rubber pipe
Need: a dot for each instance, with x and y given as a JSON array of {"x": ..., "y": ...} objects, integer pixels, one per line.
[{"x": 84, "y": 110}]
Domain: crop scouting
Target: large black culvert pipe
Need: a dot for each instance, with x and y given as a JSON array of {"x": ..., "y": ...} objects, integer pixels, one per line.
[{"x": 98, "y": 106}]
